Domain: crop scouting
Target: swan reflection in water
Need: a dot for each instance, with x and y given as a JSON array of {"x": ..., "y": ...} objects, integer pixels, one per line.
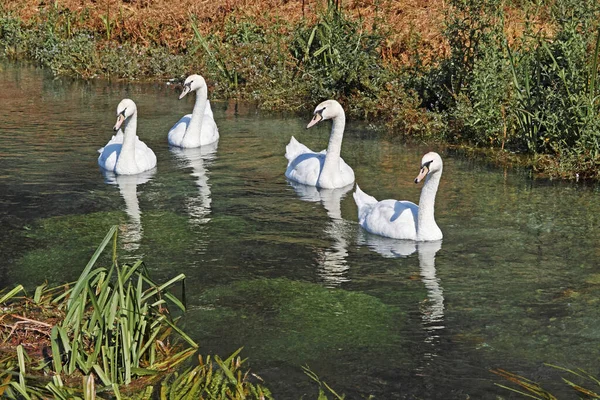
[
  {"x": 131, "y": 233},
  {"x": 432, "y": 311},
  {"x": 333, "y": 267},
  {"x": 198, "y": 207}
]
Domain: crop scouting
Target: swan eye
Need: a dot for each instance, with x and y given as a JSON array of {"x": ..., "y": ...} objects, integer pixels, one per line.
[
  {"x": 426, "y": 164},
  {"x": 123, "y": 112}
]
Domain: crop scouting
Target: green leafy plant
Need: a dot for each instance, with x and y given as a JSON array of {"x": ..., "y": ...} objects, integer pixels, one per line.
[
  {"x": 207, "y": 380},
  {"x": 115, "y": 323},
  {"x": 230, "y": 75},
  {"x": 106, "y": 21},
  {"x": 338, "y": 56},
  {"x": 114, "y": 327}
]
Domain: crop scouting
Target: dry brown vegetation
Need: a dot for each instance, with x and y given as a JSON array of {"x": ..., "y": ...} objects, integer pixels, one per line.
[
  {"x": 168, "y": 23},
  {"x": 408, "y": 24}
]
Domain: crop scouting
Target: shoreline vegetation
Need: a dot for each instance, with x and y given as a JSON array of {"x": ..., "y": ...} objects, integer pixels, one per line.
[{"x": 514, "y": 80}]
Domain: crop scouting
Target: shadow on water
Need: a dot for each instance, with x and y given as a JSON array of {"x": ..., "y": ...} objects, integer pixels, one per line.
[{"x": 283, "y": 270}]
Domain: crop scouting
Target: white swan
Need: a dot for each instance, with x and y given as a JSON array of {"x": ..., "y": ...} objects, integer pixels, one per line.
[
  {"x": 198, "y": 128},
  {"x": 404, "y": 219},
  {"x": 325, "y": 169},
  {"x": 125, "y": 153}
]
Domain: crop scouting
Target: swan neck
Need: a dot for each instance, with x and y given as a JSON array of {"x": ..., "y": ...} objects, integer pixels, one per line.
[
  {"x": 426, "y": 220},
  {"x": 332, "y": 158},
  {"x": 129, "y": 136},
  {"x": 195, "y": 124}
]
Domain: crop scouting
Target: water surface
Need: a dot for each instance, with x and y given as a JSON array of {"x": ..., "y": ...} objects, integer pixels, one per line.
[{"x": 284, "y": 270}]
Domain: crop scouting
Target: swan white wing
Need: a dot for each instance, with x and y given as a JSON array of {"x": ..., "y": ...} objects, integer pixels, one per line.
[
  {"x": 110, "y": 153},
  {"x": 144, "y": 156},
  {"x": 208, "y": 111},
  {"x": 391, "y": 218},
  {"x": 145, "y": 159},
  {"x": 305, "y": 168},
  {"x": 209, "y": 133},
  {"x": 177, "y": 132},
  {"x": 304, "y": 165},
  {"x": 342, "y": 177}
]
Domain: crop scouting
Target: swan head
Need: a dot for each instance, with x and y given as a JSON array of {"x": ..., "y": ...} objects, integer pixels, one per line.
[
  {"x": 192, "y": 83},
  {"x": 328, "y": 109},
  {"x": 430, "y": 163},
  {"x": 125, "y": 109}
]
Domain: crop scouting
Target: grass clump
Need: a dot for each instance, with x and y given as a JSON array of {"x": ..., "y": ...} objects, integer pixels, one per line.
[
  {"x": 108, "y": 335},
  {"x": 337, "y": 56}
]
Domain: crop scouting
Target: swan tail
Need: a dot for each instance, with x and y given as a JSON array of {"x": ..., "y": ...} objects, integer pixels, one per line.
[
  {"x": 362, "y": 199},
  {"x": 294, "y": 149}
]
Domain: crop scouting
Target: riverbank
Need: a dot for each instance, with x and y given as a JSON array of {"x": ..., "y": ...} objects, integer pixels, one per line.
[{"x": 513, "y": 80}]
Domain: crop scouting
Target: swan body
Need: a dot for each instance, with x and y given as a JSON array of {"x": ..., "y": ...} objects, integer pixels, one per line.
[
  {"x": 325, "y": 169},
  {"x": 125, "y": 153},
  {"x": 198, "y": 128},
  {"x": 404, "y": 219}
]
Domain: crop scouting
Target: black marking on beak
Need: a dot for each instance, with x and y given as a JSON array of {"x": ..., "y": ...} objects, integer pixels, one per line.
[{"x": 426, "y": 164}]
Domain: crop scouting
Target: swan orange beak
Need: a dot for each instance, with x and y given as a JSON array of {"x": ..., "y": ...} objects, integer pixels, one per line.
[
  {"x": 186, "y": 90},
  {"x": 422, "y": 174},
  {"x": 315, "y": 120},
  {"x": 120, "y": 119}
]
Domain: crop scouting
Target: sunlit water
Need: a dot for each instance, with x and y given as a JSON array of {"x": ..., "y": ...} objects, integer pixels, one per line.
[{"x": 283, "y": 270}]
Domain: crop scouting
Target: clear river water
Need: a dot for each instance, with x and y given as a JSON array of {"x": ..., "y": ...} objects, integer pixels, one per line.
[{"x": 284, "y": 271}]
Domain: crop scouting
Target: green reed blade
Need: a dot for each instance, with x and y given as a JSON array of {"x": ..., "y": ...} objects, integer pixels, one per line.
[
  {"x": 115, "y": 388},
  {"x": 182, "y": 334},
  {"x": 56, "y": 359},
  {"x": 21, "y": 390},
  {"x": 125, "y": 344},
  {"x": 12, "y": 293},
  {"x": 89, "y": 390},
  {"x": 83, "y": 277}
]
